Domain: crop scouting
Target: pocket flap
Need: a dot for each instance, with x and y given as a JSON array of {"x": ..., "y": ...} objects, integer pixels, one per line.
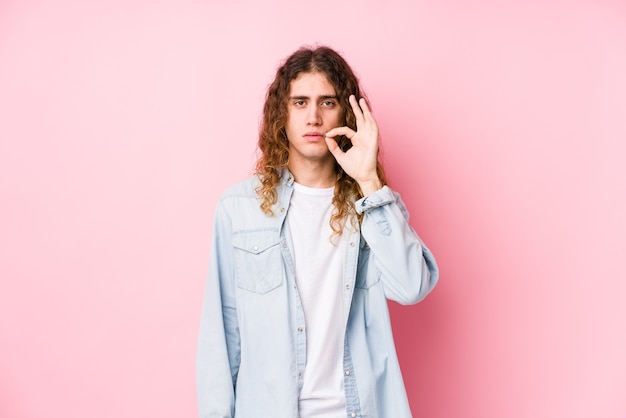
[{"x": 255, "y": 242}]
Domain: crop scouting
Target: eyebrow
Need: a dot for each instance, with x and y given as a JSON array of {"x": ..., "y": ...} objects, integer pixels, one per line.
[{"x": 324, "y": 97}]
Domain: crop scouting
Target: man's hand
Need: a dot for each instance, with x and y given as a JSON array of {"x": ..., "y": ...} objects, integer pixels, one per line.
[{"x": 359, "y": 162}]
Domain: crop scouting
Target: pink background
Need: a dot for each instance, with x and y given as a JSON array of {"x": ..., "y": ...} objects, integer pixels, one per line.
[{"x": 503, "y": 125}]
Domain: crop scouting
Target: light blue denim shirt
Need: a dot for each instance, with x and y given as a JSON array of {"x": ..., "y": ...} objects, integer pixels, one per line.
[{"x": 252, "y": 344}]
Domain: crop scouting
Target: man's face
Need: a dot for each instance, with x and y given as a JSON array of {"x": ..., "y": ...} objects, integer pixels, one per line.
[{"x": 312, "y": 110}]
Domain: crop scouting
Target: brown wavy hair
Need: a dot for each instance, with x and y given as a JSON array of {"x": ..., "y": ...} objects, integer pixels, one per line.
[{"x": 274, "y": 144}]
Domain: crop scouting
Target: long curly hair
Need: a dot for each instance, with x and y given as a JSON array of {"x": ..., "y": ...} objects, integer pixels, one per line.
[{"x": 274, "y": 144}]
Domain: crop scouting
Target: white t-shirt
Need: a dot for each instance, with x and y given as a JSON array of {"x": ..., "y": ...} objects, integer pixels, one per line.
[{"x": 319, "y": 277}]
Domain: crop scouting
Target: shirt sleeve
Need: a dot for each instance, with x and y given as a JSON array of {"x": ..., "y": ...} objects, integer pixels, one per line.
[
  {"x": 217, "y": 361},
  {"x": 408, "y": 269}
]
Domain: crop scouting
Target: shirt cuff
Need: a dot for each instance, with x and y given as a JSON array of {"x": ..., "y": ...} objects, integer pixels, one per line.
[{"x": 380, "y": 197}]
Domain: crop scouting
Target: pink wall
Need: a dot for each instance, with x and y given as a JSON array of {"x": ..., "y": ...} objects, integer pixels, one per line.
[{"x": 503, "y": 126}]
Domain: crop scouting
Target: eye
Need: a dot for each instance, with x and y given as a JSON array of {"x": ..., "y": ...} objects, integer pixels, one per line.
[
  {"x": 329, "y": 103},
  {"x": 298, "y": 103}
]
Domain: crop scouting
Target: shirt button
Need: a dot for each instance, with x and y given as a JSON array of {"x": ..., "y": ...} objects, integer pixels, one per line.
[
  {"x": 299, "y": 374},
  {"x": 299, "y": 329},
  {"x": 352, "y": 244},
  {"x": 255, "y": 248},
  {"x": 347, "y": 372},
  {"x": 348, "y": 286},
  {"x": 353, "y": 415},
  {"x": 282, "y": 209}
]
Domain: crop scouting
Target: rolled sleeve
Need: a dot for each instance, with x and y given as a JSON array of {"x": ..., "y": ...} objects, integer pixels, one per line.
[{"x": 381, "y": 197}]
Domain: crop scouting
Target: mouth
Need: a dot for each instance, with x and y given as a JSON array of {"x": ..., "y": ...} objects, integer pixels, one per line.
[{"x": 314, "y": 136}]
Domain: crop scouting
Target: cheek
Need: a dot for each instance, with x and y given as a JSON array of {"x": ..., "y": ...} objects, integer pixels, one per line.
[
  {"x": 337, "y": 118},
  {"x": 289, "y": 122},
  {"x": 294, "y": 118}
]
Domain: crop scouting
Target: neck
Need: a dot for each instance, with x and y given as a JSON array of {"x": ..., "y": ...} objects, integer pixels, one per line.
[{"x": 314, "y": 173}]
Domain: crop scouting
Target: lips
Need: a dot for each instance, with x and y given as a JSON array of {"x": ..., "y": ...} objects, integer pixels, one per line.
[{"x": 314, "y": 136}]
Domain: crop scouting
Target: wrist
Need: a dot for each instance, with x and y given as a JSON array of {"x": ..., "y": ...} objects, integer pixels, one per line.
[{"x": 370, "y": 186}]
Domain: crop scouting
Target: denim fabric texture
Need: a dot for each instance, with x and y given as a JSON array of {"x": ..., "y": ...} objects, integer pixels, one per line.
[{"x": 252, "y": 343}]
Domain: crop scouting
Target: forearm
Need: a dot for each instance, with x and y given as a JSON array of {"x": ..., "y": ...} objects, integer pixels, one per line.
[
  {"x": 408, "y": 269},
  {"x": 218, "y": 344}
]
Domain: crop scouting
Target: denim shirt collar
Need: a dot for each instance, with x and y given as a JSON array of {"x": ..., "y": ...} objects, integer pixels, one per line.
[{"x": 286, "y": 177}]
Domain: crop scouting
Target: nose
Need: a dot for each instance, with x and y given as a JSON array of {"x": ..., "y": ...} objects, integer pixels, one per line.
[{"x": 313, "y": 116}]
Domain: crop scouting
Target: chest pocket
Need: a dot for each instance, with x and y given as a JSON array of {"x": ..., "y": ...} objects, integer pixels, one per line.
[
  {"x": 367, "y": 273},
  {"x": 258, "y": 261}
]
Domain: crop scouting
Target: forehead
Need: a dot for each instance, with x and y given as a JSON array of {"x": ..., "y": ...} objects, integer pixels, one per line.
[{"x": 311, "y": 84}]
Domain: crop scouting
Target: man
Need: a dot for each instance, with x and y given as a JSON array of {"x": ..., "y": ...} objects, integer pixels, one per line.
[{"x": 304, "y": 255}]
